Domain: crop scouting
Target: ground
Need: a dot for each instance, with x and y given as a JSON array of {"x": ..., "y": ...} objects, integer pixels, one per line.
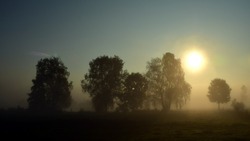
[{"x": 138, "y": 126}]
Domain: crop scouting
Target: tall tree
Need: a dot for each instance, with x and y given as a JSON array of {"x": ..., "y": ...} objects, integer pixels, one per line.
[
  {"x": 219, "y": 91},
  {"x": 135, "y": 87},
  {"x": 166, "y": 81},
  {"x": 103, "y": 81},
  {"x": 51, "y": 88},
  {"x": 155, "y": 82}
]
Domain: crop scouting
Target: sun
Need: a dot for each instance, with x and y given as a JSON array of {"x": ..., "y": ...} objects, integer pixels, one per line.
[{"x": 195, "y": 60}]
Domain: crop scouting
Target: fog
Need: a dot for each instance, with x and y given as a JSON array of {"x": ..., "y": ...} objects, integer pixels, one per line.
[{"x": 81, "y": 101}]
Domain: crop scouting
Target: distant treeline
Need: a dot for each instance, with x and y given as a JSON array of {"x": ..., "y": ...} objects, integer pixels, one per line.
[{"x": 112, "y": 88}]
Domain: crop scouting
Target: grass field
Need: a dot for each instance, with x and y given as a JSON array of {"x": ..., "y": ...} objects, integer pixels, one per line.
[{"x": 149, "y": 126}]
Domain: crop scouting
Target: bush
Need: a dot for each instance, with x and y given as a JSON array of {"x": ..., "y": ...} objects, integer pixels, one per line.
[{"x": 238, "y": 106}]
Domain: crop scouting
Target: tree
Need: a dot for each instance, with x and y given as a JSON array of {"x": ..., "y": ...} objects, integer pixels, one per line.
[
  {"x": 238, "y": 106},
  {"x": 51, "y": 89},
  {"x": 182, "y": 94},
  {"x": 103, "y": 82},
  {"x": 219, "y": 91},
  {"x": 153, "y": 75},
  {"x": 166, "y": 81},
  {"x": 243, "y": 94},
  {"x": 135, "y": 87}
]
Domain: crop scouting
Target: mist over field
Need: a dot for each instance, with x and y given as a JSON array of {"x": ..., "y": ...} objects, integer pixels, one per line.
[
  {"x": 125, "y": 70},
  {"x": 78, "y": 32}
]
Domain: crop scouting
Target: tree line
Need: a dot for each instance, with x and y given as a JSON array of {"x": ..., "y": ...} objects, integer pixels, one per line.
[{"x": 113, "y": 88}]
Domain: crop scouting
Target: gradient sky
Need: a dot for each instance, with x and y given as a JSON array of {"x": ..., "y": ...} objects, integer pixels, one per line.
[{"x": 136, "y": 31}]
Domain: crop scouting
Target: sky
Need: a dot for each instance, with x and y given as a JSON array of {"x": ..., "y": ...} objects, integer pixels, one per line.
[{"x": 135, "y": 30}]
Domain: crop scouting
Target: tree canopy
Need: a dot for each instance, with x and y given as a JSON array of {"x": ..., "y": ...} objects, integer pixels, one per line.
[
  {"x": 103, "y": 81},
  {"x": 166, "y": 81},
  {"x": 51, "y": 88},
  {"x": 219, "y": 91},
  {"x": 135, "y": 87}
]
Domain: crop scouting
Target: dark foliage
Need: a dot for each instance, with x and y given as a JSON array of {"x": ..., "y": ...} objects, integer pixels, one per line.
[
  {"x": 51, "y": 89},
  {"x": 219, "y": 91},
  {"x": 238, "y": 106},
  {"x": 135, "y": 87},
  {"x": 103, "y": 81}
]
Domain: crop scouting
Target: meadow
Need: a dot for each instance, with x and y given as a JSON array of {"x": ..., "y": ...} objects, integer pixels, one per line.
[{"x": 135, "y": 126}]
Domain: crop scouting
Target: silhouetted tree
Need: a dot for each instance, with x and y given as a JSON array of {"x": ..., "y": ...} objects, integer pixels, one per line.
[
  {"x": 104, "y": 81},
  {"x": 154, "y": 77},
  {"x": 166, "y": 81},
  {"x": 51, "y": 89},
  {"x": 219, "y": 91},
  {"x": 135, "y": 86}
]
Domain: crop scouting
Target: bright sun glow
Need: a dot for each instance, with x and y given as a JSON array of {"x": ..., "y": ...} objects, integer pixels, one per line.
[{"x": 195, "y": 61}]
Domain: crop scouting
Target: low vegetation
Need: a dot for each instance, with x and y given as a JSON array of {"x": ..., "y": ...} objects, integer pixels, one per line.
[{"x": 140, "y": 125}]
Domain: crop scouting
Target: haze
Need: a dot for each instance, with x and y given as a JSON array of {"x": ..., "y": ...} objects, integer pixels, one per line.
[{"x": 136, "y": 31}]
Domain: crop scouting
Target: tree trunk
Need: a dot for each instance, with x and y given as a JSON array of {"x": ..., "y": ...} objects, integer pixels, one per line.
[
  {"x": 218, "y": 106},
  {"x": 166, "y": 102},
  {"x": 163, "y": 103},
  {"x": 169, "y": 106},
  {"x": 169, "y": 101}
]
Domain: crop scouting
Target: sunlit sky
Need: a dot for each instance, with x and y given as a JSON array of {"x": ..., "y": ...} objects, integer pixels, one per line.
[{"x": 136, "y": 31}]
